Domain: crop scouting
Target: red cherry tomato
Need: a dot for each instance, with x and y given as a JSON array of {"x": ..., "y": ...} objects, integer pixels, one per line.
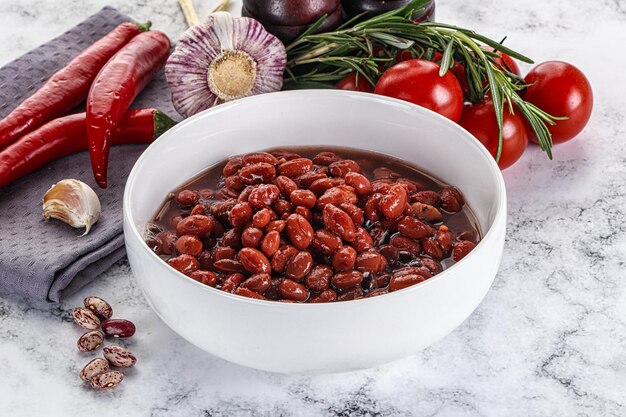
[
  {"x": 560, "y": 89},
  {"x": 505, "y": 61},
  {"x": 418, "y": 81},
  {"x": 350, "y": 82},
  {"x": 480, "y": 120}
]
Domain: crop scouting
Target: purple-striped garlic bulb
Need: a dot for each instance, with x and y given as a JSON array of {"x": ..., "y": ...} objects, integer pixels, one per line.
[{"x": 223, "y": 59}]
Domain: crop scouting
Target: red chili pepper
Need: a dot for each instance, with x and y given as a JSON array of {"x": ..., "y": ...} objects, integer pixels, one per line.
[
  {"x": 68, "y": 87},
  {"x": 68, "y": 135},
  {"x": 115, "y": 88}
]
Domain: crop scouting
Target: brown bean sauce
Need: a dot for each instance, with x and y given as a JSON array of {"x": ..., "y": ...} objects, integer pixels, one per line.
[{"x": 248, "y": 233}]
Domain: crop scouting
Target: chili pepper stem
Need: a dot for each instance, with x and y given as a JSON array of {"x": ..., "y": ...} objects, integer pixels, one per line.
[{"x": 162, "y": 123}]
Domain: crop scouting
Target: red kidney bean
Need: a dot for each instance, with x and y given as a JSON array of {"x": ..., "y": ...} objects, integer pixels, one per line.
[
  {"x": 432, "y": 249},
  {"x": 338, "y": 222},
  {"x": 291, "y": 290},
  {"x": 254, "y": 261},
  {"x": 232, "y": 238},
  {"x": 355, "y": 213},
  {"x": 233, "y": 166},
  {"x": 223, "y": 252},
  {"x": 276, "y": 225},
  {"x": 259, "y": 173},
  {"x": 299, "y": 266},
  {"x": 425, "y": 197},
  {"x": 234, "y": 182},
  {"x": 263, "y": 196},
  {"x": 406, "y": 245},
  {"x": 461, "y": 249},
  {"x": 342, "y": 167},
  {"x": 240, "y": 214},
  {"x": 413, "y": 228},
  {"x": 432, "y": 265},
  {"x": 187, "y": 198},
  {"x": 347, "y": 279},
  {"x": 205, "y": 277},
  {"x": 286, "y": 185},
  {"x": 326, "y": 296},
  {"x": 281, "y": 258},
  {"x": 393, "y": 203},
  {"x": 232, "y": 281},
  {"x": 256, "y": 157},
  {"x": 466, "y": 235},
  {"x": 185, "y": 264},
  {"x": 305, "y": 180},
  {"x": 270, "y": 243},
  {"x": 352, "y": 294},
  {"x": 261, "y": 218},
  {"x": 344, "y": 259},
  {"x": 195, "y": 225},
  {"x": 360, "y": 183},
  {"x": 221, "y": 209},
  {"x": 282, "y": 207},
  {"x": 319, "y": 278},
  {"x": 300, "y": 231},
  {"x": 325, "y": 158},
  {"x": 304, "y": 198},
  {"x": 451, "y": 199},
  {"x": 295, "y": 167},
  {"x": 362, "y": 240},
  {"x": 304, "y": 212},
  {"x": 189, "y": 245},
  {"x": 251, "y": 237},
  {"x": 371, "y": 261},
  {"x": 326, "y": 241},
  {"x": 245, "y": 292},
  {"x": 371, "y": 208},
  {"x": 258, "y": 282},
  {"x": 444, "y": 238},
  {"x": 336, "y": 195},
  {"x": 118, "y": 328},
  {"x": 228, "y": 265}
]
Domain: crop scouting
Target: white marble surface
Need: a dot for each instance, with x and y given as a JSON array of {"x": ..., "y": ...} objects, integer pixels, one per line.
[{"x": 548, "y": 340}]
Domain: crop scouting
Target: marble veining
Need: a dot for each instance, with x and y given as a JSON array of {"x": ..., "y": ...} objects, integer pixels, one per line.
[{"x": 548, "y": 340}]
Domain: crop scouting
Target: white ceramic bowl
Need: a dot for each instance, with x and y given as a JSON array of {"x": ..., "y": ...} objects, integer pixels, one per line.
[{"x": 329, "y": 337}]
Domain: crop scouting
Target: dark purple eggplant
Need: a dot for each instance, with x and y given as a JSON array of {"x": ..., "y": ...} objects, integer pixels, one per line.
[
  {"x": 287, "y": 19},
  {"x": 375, "y": 7}
]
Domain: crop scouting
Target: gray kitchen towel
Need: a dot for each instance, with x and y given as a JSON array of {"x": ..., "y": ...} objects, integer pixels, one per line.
[{"x": 44, "y": 260}]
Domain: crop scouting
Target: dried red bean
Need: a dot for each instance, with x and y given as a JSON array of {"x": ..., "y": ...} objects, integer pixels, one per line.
[
  {"x": 347, "y": 279},
  {"x": 119, "y": 356},
  {"x": 254, "y": 261},
  {"x": 338, "y": 222},
  {"x": 300, "y": 231},
  {"x": 451, "y": 199},
  {"x": 90, "y": 341},
  {"x": 295, "y": 167},
  {"x": 344, "y": 259},
  {"x": 99, "y": 306},
  {"x": 205, "y": 277},
  {"x": 185, "y": 264},
  {"x": 119, "y": 328},
  {"x": 461, "y": 249},
  {"x": 259, "y": 173},
  {"x": 299, "y": 266},
  {"x": 94, "y": 367},
  {"x": 85, "y": 318},
  {"x": 106, "y": 380},
  {"x": 187, "y": 198},
  {"x": 291, "y": 290}
]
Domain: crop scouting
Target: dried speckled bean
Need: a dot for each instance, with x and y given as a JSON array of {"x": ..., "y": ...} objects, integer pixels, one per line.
[
  {"x": 106, "y": 380},
  {"x": 90, "y": 341},
  {"x": 99, "y": 306},
  {"x": 85, "y": 318},
  {"x": 119, "y": 356},
  {"x": 94, "y": 367}
]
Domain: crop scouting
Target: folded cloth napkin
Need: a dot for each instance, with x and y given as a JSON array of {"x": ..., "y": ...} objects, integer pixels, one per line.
[{"x": 46, "y": 260}]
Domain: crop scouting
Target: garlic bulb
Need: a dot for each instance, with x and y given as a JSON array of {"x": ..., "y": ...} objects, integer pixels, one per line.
[
  {"x": 223, "y": 59},
  {"x": 72, "y": 202}
]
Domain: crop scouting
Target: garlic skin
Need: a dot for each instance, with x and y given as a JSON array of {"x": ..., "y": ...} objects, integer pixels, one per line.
[
  {"x": 223, "y": 59},
  {"x": 72, "y": 202}
]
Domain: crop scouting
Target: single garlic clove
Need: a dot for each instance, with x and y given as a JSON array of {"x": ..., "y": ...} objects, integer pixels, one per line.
[{"x": 72, "y": 202}]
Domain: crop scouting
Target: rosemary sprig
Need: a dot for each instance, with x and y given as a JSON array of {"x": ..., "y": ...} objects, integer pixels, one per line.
[{"x": 369, "y": 47}]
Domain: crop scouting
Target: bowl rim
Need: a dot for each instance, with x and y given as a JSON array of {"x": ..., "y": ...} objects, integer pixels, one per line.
[{"x": 500, "y": 197}]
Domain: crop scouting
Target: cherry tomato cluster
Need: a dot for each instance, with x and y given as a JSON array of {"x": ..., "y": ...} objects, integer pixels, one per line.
[{"x": 558, "y": 88}]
